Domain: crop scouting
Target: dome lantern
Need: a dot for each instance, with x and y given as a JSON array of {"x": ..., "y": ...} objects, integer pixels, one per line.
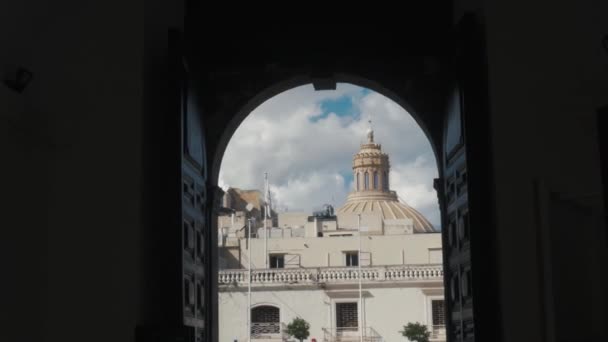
[{"x": 372, "y": 193}]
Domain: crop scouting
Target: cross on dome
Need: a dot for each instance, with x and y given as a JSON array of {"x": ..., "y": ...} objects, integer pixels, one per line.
[{"x": 370, "y": 132}]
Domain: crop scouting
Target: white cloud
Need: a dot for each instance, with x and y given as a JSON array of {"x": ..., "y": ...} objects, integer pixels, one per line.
[
  {"x": 307, "y": 160},
  {"x": 314, "y": 189},
  {"x": 413, "y": 184}
]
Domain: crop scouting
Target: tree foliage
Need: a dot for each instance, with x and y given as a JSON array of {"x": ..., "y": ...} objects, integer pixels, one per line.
[
  {"x": 416, "y": 332},
  {"x": 298, "y": 328}
]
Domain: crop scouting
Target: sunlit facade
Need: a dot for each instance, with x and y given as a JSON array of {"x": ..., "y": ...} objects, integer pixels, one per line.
[{"x": 365, "y": 269}]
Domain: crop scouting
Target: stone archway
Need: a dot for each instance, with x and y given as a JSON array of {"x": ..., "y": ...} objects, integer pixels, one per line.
[
  {"x": 432, "y": 133},
  {"x": 271, "y": 92}
]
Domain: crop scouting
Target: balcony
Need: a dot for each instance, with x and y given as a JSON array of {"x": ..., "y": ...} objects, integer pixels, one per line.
[
  {"x": 332, "y": 275},
  {"x": 351, "y": 335},
  {"x": 268, "y": 332}
]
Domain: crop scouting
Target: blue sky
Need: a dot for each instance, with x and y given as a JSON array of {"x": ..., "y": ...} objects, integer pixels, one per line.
[
  {"x": 343, "y": 106},
  {"x": 305, "y": 140}
]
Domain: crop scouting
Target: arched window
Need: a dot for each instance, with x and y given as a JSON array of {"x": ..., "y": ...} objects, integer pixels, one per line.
[
  {"x": 366, "y": 181},
  {"x": 385, "y": 180},
  {"x": 357, "y": 176},
  {"x": 376, "y": 180},
  {"x": 265, "y": 320}
]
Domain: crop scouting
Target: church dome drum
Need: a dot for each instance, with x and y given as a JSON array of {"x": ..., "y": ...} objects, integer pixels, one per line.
[{"x": 372, "y": 197}]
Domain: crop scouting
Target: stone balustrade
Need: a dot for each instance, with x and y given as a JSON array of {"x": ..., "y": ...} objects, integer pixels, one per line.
[{"x": 317, "y": 275}]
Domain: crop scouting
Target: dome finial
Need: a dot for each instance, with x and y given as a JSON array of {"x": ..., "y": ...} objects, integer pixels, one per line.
[{"x": 370, "y": 132}]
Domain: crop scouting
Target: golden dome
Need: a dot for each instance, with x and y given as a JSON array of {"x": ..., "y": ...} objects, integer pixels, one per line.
[
  {"x": 372, "y": 194},
  {"x": 388, "y": 207}
]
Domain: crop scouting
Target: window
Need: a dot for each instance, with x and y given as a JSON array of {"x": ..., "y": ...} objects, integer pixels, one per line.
[
  {"x": 346, "y": 316},
  {"x": 357, "y": 176},
  {"x": 265, "y": 320},
  {"x": 277, "y": 261},
  {"x": 376, "y": 180},
  {"x": 366, "y": 180},
  {"x": 352, "y": 259},
  {"x": 385, "y": 180},
  {"x": 438, "y": 308}
]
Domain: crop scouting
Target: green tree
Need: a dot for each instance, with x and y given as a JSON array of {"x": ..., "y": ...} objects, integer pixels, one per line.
[
  {"x": 416, "y": 332},
  {"x": 299, "y": 329}
]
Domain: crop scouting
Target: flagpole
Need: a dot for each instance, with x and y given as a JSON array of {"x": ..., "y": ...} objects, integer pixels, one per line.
[
  {"x": 265, "y": 217},
  {"x": 360, "y": 292},
  {"x": 249, "y": 282}
]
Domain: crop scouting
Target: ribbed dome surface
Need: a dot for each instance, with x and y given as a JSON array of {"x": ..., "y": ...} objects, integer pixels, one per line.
[{"x": 389, "y": 209}]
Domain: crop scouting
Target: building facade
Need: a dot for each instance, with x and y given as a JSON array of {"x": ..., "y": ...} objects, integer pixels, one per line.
[{"x": 360, "y": 272}]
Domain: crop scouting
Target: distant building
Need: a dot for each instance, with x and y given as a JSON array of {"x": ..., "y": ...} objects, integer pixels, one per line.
[{"x": 313, "y": 264}]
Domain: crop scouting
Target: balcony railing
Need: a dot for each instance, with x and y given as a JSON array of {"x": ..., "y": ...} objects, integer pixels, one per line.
[
  {"x": 350, "y": 334},
  {"x": 332, "y": 275},
  {"x": 259, "y": 330}
]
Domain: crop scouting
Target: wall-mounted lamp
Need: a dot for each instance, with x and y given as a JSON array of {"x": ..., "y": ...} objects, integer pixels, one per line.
[
  {"x": 323, "y": 81},
  {"x": 18, "y": 79}
]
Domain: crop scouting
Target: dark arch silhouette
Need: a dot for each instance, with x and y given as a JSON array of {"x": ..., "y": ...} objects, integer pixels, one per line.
[{"x": 288, "y": 84}]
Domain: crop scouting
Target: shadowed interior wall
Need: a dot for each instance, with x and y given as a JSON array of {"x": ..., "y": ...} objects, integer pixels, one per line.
[
  {"x": 71, "y": 178},
  {"x": 547, "y": 76}
]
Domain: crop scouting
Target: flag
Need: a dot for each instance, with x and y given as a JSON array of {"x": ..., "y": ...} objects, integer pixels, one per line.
[
  {"x": 266, "y": 197},
  {"x": 268, "y": 203}
]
